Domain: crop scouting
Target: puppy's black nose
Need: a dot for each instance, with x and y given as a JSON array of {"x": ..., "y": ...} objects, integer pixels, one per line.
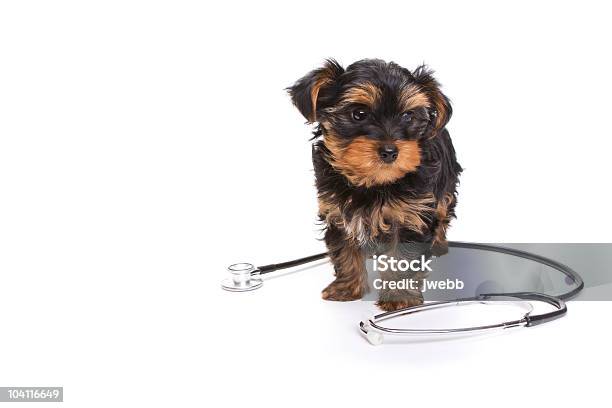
[{"x": 388, "y": 153}]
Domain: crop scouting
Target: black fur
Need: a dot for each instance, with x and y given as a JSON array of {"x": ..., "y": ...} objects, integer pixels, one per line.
[{"x": 437, "y": 174}]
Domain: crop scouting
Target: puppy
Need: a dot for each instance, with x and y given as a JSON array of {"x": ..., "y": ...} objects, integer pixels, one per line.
[{"x": 385, "y": 167}]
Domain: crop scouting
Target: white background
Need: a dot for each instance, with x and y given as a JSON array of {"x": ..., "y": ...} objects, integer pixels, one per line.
[{"x": 146, "y": 145}]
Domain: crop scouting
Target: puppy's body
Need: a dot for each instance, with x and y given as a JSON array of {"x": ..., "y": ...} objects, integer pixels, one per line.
[{"x": 385, "y": 166}]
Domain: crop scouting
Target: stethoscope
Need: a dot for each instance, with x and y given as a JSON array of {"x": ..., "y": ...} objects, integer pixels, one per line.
[{"x": 246, "y": 277}]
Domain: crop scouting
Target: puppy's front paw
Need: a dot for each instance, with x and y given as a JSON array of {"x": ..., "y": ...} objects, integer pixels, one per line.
[
  {"x": 391, "y": 305},
  {"x": 342, "y": 291}
]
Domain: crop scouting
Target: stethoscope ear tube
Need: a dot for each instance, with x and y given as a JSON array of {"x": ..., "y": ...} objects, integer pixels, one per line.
[
  {"x": 284, "y": 265},
  {"x": 261, "y": 270},
  {"x": 564, "y": 269},
  {"x": 534, "y": 320}
]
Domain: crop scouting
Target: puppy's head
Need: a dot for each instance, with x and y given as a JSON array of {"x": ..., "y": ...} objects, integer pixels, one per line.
[{"x": 373, "y": 116}]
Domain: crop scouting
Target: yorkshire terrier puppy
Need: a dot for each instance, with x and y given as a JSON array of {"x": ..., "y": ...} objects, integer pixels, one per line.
[{"x": 384, "y": 164}]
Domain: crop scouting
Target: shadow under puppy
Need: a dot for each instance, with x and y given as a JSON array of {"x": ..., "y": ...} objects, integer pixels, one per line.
[{"x": 385, "y": 166}]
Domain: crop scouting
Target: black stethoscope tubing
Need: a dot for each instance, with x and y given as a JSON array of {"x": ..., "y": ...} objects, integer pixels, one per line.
[
  {"x": 567, "y": 271},
  {"x": 374, "y": 331}
]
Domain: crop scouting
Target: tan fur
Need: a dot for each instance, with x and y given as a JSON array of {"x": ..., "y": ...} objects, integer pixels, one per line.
[
  {"x": 411, "y": 97},
  {"x": 314, "y": 94},
  {"x": 365, "y": 94},
  {"x": 443, "y": 219},
  {"x": 325, "y": 77},
  {"x": 359, "y": 162},
  {"x": 407, "y": 301},
  {"x": 381, "y": 219},
  {"x": 392, "y": 299},
  {"x": 438, "y": 102},
  {"x": 351, "y": 275}
]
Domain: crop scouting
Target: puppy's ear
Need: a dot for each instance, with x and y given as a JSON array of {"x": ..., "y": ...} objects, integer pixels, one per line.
[
  {"x": 441, "y": 111},
  {"x": 306, "y": 93}
]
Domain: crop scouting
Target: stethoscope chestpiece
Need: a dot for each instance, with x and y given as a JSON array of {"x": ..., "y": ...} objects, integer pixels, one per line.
[{"x": 243, "y": 278}]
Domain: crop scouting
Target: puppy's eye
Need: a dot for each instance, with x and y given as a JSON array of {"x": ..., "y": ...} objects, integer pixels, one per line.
[
  {"x": 407, "y": 116},
  {"x": 360, "y": 114}
]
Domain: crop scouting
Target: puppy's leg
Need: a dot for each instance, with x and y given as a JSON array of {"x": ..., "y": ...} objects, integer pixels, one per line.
[
  {"x": 349, "y": 263},
  {"x": 394, "y": 302},
  {"x": 409, "y": 295},
  {"x": 445, "y": 211}
]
